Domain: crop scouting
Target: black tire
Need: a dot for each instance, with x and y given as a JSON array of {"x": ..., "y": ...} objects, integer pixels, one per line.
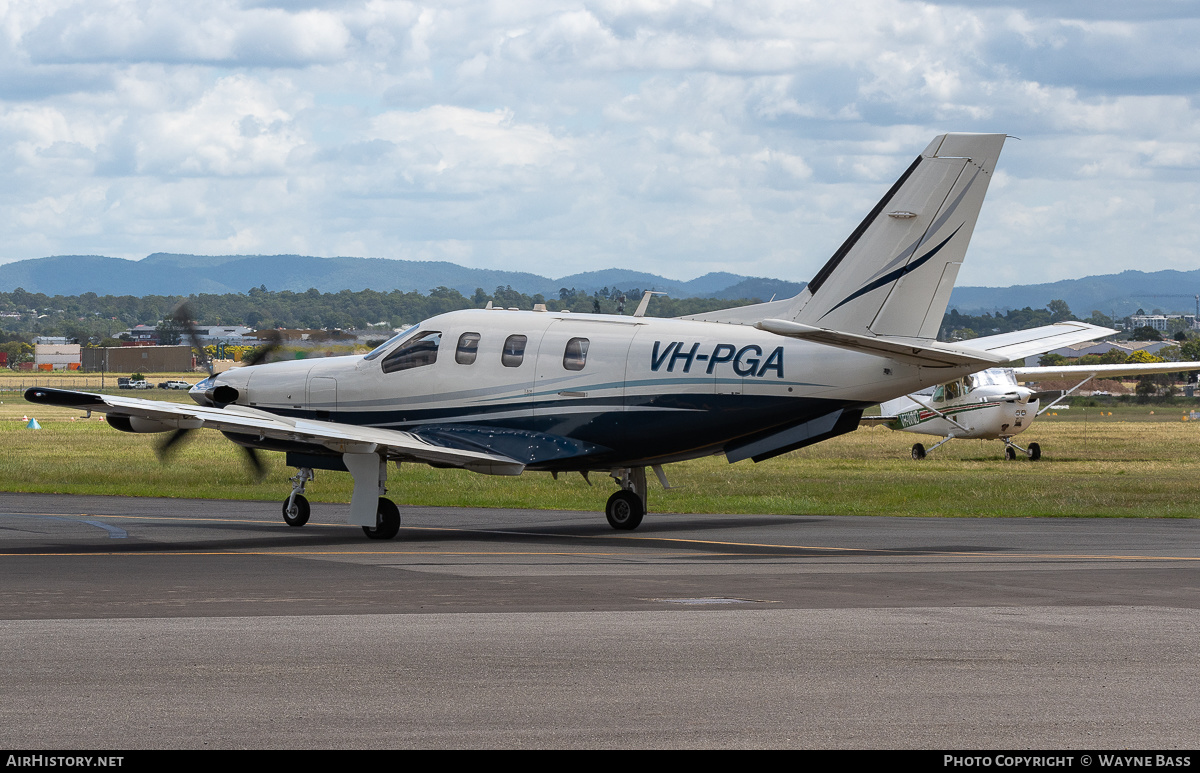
[
  {"x": 299, "y": 514},
  {"x": 624, "y": 511},
  {"x": 1035, "y": 452},
  {"x": 387, "y": 518},
  {"x": 918, "y": 452},
  {"x": 1010, "y": 453}
]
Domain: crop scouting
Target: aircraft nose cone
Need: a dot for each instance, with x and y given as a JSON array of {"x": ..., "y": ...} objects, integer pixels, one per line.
[{"x": 200, "y": 393}]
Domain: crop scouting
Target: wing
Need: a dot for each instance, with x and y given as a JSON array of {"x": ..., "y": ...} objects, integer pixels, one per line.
[
  {"x": 339, "y": 438},
  {"x": 1103, "y": 371}
]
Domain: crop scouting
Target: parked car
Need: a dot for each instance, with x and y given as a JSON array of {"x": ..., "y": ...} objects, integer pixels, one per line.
[
  {"x": 140, "y": 385},
  {"x": 177, "y": 385},
  {"x": 123, "y": 383}
]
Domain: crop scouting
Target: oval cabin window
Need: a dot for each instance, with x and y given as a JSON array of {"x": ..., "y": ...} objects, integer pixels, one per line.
[
  {"x": 575, "y": 357},
  {"x": 514, "y": 351}
]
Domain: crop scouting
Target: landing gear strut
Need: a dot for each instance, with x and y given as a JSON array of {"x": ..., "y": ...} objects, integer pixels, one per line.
[
  {"x": 626, "y": 508},
  {"x": 1034, "y": 452},
  {"x": 919, "y": 451},
  {"x": 295, "y": 507}
]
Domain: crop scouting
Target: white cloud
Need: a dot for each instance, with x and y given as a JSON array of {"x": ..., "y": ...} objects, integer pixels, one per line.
[{"x": 677, "y": 137}]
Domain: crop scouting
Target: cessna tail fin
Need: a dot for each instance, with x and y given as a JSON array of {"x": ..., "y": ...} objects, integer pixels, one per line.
[{"x": 893, "y": 275}]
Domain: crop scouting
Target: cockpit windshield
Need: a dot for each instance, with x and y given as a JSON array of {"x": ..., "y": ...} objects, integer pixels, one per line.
[
  {"x": 992, "y": 377},
  {"x": 383, "y": 347}
]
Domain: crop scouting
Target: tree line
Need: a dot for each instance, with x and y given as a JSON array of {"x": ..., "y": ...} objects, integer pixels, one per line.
[{"x": 92, "y": 318}]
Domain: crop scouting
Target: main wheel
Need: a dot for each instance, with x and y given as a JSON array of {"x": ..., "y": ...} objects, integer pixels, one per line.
[
  {"x": 1010, "y": 453},
  {"x": 297, "y": 514},
  {"x": 387, "y": 520},
  {"x": 1035, "y": 452},
  {"x": 624, "y": 510},
  {"x": 918, "y": 451}
]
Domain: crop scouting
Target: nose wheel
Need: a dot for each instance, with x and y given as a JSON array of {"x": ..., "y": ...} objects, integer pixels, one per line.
[
  {"x": 295, "y": 510},
  {"x": 295, "y": 507}
]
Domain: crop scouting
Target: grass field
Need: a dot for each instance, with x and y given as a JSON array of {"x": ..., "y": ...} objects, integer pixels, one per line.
[{"x": 1131, "y": 464}]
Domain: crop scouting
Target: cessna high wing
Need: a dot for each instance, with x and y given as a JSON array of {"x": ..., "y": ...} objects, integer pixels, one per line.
[
  {"x": 992, "y": 405},
  {"x": 500, "y": 392}
]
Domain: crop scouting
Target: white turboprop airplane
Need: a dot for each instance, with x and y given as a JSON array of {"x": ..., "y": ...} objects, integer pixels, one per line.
[
  {"x": 500, "y": 392},
  {"x": 992, "y": 405}
]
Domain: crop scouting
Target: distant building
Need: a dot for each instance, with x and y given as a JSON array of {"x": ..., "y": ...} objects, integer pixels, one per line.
[
  {"x": 142, "y": 335},
  {"x": 1102, "y": 347},
  {"x": 56, "y": 356},
  {"x": 1160, "y": 321},
  {"x": 239, "y": 335},
  {"x": 139, "y": 359}
]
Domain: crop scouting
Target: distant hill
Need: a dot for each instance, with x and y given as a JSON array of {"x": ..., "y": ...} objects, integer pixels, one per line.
[
  {"x": 1113, "y": 294},
  {"x": 171, "y": 274}
]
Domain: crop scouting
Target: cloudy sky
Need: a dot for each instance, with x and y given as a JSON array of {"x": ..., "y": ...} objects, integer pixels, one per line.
[{"x": 556, "y": 137}]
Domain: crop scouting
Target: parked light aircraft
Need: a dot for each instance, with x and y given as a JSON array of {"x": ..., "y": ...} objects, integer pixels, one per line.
[
  {"x": 992, "y": 405},
  {"x": 500, "y": 392}
]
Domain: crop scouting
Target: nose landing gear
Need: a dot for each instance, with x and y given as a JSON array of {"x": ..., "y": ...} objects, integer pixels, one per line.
[{"x": 295, "y": 507}]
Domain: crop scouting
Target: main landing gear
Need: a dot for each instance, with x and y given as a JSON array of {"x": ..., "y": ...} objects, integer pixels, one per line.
[
  {"x": 1034, "y": 452},
  {"x": 387, "y": 521},
  {"x": 1011, "y": 449},
  {"x": 919, "y": 451},
  {"x": 386, "y": 517},
  {"x": 626, "y": 508}
]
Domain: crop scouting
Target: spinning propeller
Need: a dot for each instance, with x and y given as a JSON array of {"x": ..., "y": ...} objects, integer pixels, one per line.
[{"x": 183, "y": 318}]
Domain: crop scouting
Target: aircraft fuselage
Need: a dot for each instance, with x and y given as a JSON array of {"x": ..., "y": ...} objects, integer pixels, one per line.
[{"x": 608, "y": 390}]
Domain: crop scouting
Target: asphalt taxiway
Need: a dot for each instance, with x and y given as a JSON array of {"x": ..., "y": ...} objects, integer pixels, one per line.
[{"x": 156, "y": 623}]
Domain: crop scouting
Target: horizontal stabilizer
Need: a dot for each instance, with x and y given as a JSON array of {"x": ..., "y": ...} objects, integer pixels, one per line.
[
  {"x": 929, "y": 354},
  {"x": 1038, "y": 340}
]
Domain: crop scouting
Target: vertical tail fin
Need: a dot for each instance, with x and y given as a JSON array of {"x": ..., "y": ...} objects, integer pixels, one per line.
[{"x": 893, "y": 276}]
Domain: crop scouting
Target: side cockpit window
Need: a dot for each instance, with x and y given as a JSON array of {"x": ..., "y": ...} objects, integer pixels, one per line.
[
  {"x": 575, "y": 356},
  {"x": 514, "y": 351},
  {"x": 468, "y": 349},
  {"x": 417, "y": 352}
]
